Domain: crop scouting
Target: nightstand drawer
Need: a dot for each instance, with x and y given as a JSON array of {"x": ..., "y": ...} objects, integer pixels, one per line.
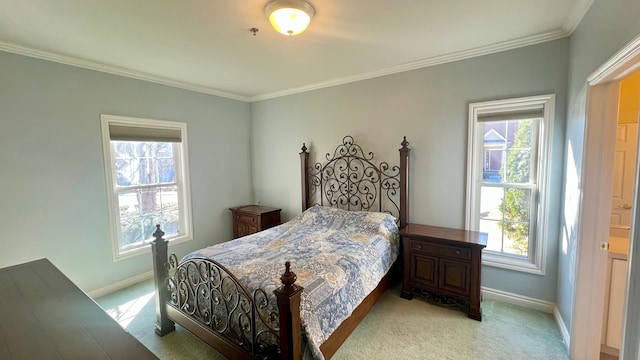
[
  {"x": 440, "y": 250},
  {"x": 246, "y": 218}
]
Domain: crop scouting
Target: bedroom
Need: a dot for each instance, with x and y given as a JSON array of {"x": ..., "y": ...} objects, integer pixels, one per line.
[{"x": 53, "y": 167}]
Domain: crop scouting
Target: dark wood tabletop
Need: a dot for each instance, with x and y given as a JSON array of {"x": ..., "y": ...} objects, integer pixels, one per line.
[
  {"x": 43, "y": 315},
  {"x": 437, "y": 232}
]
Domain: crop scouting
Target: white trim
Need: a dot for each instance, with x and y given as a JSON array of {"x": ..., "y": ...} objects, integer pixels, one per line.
[
  {"x": 562, "y": 327},
  {"x": 530, "y": 303},
  {"x": 475, "y": 155},
  {"x": 593, "y": 219},
  {"x": 182, "y": 178},
  {"x": 116, "y": 70},
  {"x": 507, "y": 262},
  {"x": 521, "y": 300},
  {"x": 577, "y": 14},
  {"x": 102, "y": 291},
  {"x": 432, "y": 61},
  {"x": 617, "y": 66},
  {"x": 593, "y": 223}
]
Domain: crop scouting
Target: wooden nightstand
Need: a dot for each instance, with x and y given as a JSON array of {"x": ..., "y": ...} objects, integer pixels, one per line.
[
  {"x": 445, "y": 264},
  {"x": 250, "y": 219}
]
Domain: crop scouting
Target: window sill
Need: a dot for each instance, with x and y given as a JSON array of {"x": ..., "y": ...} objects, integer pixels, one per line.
[
  {"x": 509, "y": 263},
  {"x": 146, "y": 248}
]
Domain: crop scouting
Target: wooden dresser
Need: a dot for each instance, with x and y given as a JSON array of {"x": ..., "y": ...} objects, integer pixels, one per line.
[
  {"x": 43, "y": 315},
  {"x": 443, "y": 262},
  {"x": 250, "y": 219}
]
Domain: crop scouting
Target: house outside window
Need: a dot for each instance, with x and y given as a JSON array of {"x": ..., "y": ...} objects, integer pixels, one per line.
[
  {"x": 508, "y": 169},
  {"x": 147, "y": 179}
]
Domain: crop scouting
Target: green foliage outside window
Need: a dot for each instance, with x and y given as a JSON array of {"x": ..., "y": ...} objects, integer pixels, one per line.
[
  {"x": 147, "y": 167},
  {"x": 515, "y": 204}
]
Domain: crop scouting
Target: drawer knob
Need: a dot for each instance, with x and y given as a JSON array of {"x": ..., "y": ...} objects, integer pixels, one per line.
[
  {"x": 419, "y": 246},
  {"x": 457, "y": 252}
]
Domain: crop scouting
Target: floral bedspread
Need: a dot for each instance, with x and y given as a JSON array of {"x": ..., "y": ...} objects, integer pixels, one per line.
[{"x": 339, "y": 257}]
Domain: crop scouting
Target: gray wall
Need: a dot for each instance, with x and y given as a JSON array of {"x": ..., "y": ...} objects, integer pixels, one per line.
[
  {"x": 54, "y": 198},
  {"x": 604, "y": 30},
  {"x": 430, "y": 107}
]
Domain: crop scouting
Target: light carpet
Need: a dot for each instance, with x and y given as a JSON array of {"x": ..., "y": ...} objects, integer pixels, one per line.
[{"x": 394, "y": 329}]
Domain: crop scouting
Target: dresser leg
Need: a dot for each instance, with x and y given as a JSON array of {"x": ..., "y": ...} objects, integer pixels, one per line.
[{"x": 475, "y": 314}]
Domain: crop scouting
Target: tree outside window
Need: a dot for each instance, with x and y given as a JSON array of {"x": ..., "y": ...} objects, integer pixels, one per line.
[
  {"x": 505, "y": 197},
  {"x": 509, "y": 147},
  {"x": 147, "y": 189}
]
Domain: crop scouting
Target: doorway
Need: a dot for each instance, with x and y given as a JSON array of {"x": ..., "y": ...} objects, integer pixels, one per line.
[
  {"x": 624, "y": 180},
  {"x": 598, "y": 163}
]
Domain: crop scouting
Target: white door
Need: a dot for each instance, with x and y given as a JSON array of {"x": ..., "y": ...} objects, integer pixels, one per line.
[
  {"x": 616, "y": 303},
  {"x": 624, "y": 175}
]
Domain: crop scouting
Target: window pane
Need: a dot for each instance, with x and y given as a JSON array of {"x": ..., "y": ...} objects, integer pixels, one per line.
[
  {"x": 142, "y": 209},
  {"x": 494, "y": 232},
  {"x": 504, "y": 215},
  {"x": 495, "y": 144},
  {"x": 516, "y": 207},
  {"x": 518, "y": 166},
  {"x": 516, "y": 238},
  {"x": 507, "y": 151},
  {"x": 491, "y": 202},
  {"x": 143, "y": 163}
]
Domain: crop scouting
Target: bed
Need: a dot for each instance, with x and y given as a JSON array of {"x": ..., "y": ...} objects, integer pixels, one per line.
[{"x": 246, "y": 297}]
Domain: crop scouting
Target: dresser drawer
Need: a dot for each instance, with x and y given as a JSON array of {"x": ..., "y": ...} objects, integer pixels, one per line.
[
  {"x": 440, "y": 250},
  {"x": 443, "y": 264}
]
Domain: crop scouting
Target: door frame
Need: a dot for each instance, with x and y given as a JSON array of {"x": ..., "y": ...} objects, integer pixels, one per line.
[{"x": 593, "y": 224}]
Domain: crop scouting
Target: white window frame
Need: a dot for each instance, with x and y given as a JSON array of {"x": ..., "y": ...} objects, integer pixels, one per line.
[
  {"x": 536, "y": 263},
  {"x": 181, "y": 174}
]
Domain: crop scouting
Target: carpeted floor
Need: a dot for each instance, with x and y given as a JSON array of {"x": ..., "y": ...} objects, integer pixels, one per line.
[{"x": 394, "y": 329}]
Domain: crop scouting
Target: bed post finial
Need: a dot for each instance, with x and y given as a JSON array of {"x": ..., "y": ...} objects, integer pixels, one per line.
[
  {"x": 159, "y": 250},
  {"x": 288, "y": 296},
  {"x": 304, "y": 180},
  {"x": 158, "y": 234},
  {"x": 404, "y": 183},
  {"x": 404, "y": 142},
  {"x": 289, "y": 277}
]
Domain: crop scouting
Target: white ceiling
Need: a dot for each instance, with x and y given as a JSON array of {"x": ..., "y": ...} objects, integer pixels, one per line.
[{"x": 206, "y": 45}]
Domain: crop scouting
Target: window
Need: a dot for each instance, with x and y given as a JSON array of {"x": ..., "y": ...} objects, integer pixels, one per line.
[
  {"x": 508, "y": 168},
  {"x": 147, "y": 180}
]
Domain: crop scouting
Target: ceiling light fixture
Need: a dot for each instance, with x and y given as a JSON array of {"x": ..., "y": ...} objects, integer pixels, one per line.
[{"x": 289, "y": 17}]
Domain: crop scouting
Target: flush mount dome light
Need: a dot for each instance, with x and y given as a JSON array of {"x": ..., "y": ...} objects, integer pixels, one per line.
[{"x": 289, "y": 17}]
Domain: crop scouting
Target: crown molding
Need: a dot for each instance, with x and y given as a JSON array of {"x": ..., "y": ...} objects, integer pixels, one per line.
[
  {"x": 436, "y": 60},
  {"x": 432, "y": 61},
  {"x": 619, "y": 65},
  {"x": 575, "y": 17},
  {"x": 115, "y": 70}
]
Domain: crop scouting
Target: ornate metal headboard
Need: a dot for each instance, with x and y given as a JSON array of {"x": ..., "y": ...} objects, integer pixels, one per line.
[{"x": 349, "y": 179}]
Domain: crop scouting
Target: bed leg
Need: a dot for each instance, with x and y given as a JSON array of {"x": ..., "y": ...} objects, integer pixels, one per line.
[
  {"x": 289, "y": 307},
  {"x": 159, "y": 249}
]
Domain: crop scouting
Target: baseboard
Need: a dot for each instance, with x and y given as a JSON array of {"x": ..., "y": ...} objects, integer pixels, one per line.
[
  {"x": 562, "y": 327},
  {"x": 531, "y": 303},
  {"x": 609, "y": 350},
  {"x": 119, "y": 285},
  {"x": 524, "y": 301}
]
